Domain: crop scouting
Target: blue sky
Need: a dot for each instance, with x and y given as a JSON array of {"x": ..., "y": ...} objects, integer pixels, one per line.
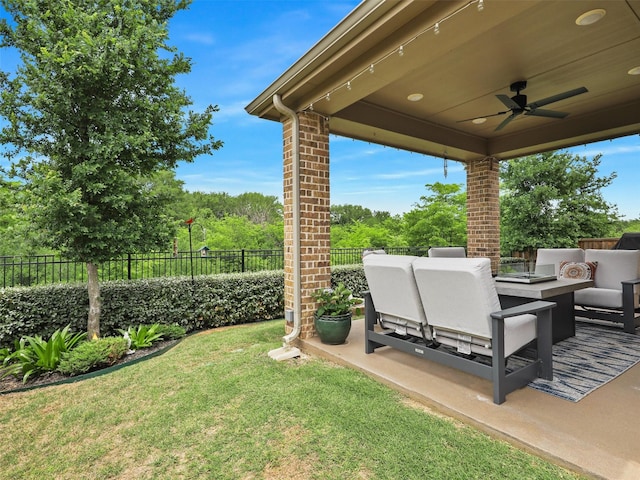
[{"x": 239, "y": 47}]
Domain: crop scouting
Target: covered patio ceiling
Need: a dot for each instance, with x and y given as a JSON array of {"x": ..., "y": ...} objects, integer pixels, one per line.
[{"x": 362, "y": 73}]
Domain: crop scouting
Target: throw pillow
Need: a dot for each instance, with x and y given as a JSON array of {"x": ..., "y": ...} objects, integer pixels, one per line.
[{"x": 578, "y": 270}]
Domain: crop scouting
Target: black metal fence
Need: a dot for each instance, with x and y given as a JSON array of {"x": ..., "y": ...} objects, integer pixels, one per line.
[{"x": 17, "y": 270}]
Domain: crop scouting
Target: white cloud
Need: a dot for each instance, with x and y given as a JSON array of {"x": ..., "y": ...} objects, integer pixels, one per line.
[
  {"x": 419, "y": 173},
  {"x": 234, "y": 110},
  {"x": 609, "y": 150},
  {"x": 200, "y": 38}
]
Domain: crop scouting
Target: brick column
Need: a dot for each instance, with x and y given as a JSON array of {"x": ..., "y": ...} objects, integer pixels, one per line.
[
  {"x": 483, "y": 210},
  {"x": 315, "y": 205}
]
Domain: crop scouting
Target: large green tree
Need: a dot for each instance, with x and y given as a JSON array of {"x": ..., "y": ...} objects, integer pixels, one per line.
[
  {"x": 92, "y": 112},
  {"x": 440, "y": 218},
  {"x": 347, "y": 214},
  {"x": 15, "y": 229},
  {"x": 551, "y": 200}
]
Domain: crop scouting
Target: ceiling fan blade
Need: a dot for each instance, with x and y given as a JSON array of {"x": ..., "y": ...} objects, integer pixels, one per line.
[
  {"x": 510, "y": 104},
  {"x": 539, "y": 112},
  {"x": 557, "y": 98},
  {"x": 483, "y": 116},
  {"x": 506, "y": 121}
]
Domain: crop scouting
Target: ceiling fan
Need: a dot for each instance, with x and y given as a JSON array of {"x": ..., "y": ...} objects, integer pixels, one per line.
[{"x": 518, "y": 105}]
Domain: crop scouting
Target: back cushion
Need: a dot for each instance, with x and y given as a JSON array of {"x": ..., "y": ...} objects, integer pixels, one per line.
[
  {"x": 553, "y": 256},
  {"x": 614, "y": 266},
  {"x": 448, "y": 252},
  {"x": 393, "y": 286},
  {"x": 457, "y": 293}
]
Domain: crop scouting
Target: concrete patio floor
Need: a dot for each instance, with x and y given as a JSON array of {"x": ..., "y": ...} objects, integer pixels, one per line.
[{"x": 596, "y": 436}]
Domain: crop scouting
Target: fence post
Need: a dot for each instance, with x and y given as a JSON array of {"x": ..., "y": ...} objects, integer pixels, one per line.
[
  {"x": 128, "y": 266},
  {"x": 242, "y": 261}
]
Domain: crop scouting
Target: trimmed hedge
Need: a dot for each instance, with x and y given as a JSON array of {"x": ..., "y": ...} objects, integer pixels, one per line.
[
  {"x": 352, "y": 276},
  {"x": 211, "y": 301}
]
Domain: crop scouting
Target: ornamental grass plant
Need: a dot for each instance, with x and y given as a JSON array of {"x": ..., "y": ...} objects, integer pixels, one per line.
[{"x": 216, "y": 406}]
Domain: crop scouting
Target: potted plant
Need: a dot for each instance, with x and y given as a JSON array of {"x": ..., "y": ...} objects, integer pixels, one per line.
[{"x": 333, "y": 316}]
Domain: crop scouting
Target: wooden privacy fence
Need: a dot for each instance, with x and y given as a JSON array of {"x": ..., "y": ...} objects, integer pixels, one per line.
[
  {"x": 597, "y": 243},
  {"x": 584, "y": 243}
]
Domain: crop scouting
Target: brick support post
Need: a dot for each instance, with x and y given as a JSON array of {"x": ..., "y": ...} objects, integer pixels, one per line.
[
  {"x": 314, "y": 214},
  {"x": 483, "y": 210}
]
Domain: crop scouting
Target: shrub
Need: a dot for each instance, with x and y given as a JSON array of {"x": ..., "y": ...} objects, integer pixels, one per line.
[
  {"x": 99, "y": 353},
  {"x": 210, "y": 301},
  {"x": 171, "y": 332},
  {"x": 34, "y": 355},
  {"x": 352, "y": 276}
]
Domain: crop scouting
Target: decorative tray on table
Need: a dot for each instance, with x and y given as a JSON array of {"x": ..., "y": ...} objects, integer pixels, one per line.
[{"x": 524, "y": 277}]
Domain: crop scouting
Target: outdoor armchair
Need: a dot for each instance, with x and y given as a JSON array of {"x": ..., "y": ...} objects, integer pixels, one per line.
[{"x": 615, "y": 294}]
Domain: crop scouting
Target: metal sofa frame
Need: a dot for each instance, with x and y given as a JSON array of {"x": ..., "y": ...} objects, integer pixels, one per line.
[{"x": 626, "y": 315}]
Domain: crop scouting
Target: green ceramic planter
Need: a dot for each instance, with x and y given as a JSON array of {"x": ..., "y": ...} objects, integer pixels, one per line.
[{"x": 333, "y": 330}]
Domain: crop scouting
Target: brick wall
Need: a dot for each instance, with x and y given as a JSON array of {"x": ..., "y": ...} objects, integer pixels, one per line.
[
  {"x": 315, "y": 205},
  {"x": 483, "y": 210}
]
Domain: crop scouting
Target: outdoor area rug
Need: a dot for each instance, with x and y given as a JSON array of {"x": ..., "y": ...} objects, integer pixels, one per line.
[{"x": 594, "y": 357}]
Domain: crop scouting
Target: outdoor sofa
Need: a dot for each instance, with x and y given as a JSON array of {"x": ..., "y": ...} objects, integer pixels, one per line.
[
  {"x": 447, "y": 310},
  {"x": 616, "y": 275}
]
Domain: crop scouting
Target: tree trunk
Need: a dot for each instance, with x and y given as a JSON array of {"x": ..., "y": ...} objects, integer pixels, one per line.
[{"x": 95, "y": 302}]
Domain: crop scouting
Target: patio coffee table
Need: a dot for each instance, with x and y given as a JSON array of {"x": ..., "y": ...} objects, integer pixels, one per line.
[{"x": 559, "y": 291}]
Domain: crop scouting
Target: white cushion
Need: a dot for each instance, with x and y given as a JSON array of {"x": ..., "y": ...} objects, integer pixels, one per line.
[
  {"x": 614, "y": 266},
  {"x": 553, "y": 256},
  {"x": 459, "y": 295},
  {"x": 448, "y": 252},
  {"x": 598, "y": 297},
  {"x": 394, "y": 292}
]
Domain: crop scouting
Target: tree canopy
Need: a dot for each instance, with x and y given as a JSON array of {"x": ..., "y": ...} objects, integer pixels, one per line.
[
  {"x": 552, "y": 200},
  {"x": 439, "y": 219},
  {"x": 95, "y": 111}
]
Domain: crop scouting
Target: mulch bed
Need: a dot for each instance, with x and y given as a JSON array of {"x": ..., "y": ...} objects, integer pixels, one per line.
[{"x": 10, "y": 384}]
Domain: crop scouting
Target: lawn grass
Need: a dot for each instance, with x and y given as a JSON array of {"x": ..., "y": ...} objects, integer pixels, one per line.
[{"x": 217, "y": 407}]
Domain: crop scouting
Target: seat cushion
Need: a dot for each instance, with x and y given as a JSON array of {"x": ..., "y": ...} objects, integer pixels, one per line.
[
  {"x": 599, "y": 297},
  {"x": 518, "y": 331}
]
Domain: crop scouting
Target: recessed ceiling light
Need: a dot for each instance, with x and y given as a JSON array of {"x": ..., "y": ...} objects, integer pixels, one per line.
[
  {"x": 479, "y": 120},
  {"x": 590, "y": 17},
  {"x": 634, "y": 71},
  {"x": 415, "y": 97}
]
